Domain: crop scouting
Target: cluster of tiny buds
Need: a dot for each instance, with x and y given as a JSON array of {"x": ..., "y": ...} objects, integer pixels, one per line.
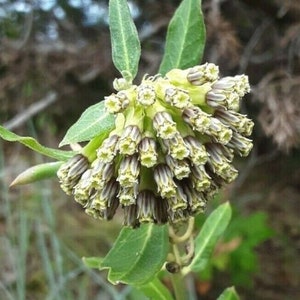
[{"x": 170, "y": 154}]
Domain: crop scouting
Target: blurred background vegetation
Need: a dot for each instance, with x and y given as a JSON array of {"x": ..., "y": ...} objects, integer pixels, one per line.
[{"x": 55, "y": 61}]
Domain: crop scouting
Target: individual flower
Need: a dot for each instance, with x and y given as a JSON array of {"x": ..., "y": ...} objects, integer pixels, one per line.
[{"x": 172, "y": 147}]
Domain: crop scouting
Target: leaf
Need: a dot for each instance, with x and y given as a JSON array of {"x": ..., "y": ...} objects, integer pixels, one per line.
[
  {"x": 206, "y": 240},
  {"x": 137, "y": 255},
  {"x": 92, "y": 262},
  {"x": 94, "y": 121},
  {"x": 37, "y": 173},
  {"x": 34, "y": 145},
  {"x": 126, "y": 48},
  {"x": 229, "y": 294},
  {"x": 155, "y": 290},
  {"x": 185, "y": 37}
]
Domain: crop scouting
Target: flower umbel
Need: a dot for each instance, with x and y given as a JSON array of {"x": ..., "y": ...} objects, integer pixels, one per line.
[{"x": 171, "y": 150}]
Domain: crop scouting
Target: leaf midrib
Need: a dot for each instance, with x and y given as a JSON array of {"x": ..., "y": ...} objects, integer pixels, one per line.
[
  {"x": 149, "y": 231},
  {"x": 200, "y": 251},
  {"x": 184, "y": 38}
]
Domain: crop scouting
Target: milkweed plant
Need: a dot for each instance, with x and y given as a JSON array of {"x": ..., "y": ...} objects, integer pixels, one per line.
[{"x": 156, "y": 152}]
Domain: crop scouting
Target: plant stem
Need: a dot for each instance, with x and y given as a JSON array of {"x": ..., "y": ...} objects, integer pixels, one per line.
[
  {"x": 180, "y": 239},
  {"x": 177, "y": 279},
  {"x": 179, "y": 287}
]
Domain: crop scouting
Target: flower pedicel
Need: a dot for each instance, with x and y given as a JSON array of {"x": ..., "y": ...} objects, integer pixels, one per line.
[{"x": 171, "y": 149}]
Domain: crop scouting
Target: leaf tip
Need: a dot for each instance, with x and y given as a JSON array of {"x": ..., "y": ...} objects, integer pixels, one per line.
[
  {"x": 62, "y": 143},
  {"x": 14, "y": 183},
  {"x": 21, "y": 179}
]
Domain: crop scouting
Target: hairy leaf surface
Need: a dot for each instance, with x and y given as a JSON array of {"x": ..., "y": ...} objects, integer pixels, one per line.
[{"x": 94, "y": 121}]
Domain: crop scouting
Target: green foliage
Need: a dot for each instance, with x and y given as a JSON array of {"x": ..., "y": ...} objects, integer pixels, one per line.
[
  {"x": 137, "y": 254},
  {"x": 229, "y": 294},
  {"x": 34, "y": 145},
  {"x": 236, "y": 253},
  {"x": 155, "y": 290},
  {"x": 94, "y": 121},
  {"x": 185, "y": 38},
  {"x": 126, "y": 48},
  {"x": 253, "y": 230},
  {"x": 38, "y": 172},
  {"x": 206, "y": 240}
]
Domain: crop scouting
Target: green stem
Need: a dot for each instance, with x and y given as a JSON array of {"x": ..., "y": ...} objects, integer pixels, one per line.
[
  {"x": 89, "y": 151},
  {"x": 189, "y": 231},
  {"x": 179, "y": 286}
]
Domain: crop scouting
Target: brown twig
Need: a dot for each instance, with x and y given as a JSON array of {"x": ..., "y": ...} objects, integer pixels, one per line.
[{"x": 32, "y": 110}]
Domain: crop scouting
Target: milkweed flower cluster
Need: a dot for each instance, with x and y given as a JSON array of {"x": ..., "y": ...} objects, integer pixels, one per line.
[{"x": 171, "y": 149}]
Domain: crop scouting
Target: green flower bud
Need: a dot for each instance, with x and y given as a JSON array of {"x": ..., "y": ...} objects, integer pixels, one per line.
[
  {"x": 108, "y": 150},
  {"x": 128, "y": 171},
  {"x": 176, "y": 147},
  {"x": 196, "y": 200},
  {"x": 201, "y": 181},
  {"x": 116, "y": 103},
  {"x": 220, "y": 132},
  {"x": 199, "y": 75},
  {"x": 70, "y": 172},
  {"x": 101, "y": 173},
  {"x": 197, "y": 119},
  {"x": 147, "y": 152},
  {"x": 163, "y": 177},
  {"x": 83, "y": 189},
  {"x": 164, "y": 125},
  {"x": 178, "y": 201},
  {"x": 236, "y": 121},
  {"x": 240, "y": 144},
  {"x": 128, "y": 195},
  {"x": 197, "y": 152},
  {"x": 100, "y": 199},
  {"x": 180, "y": 168},
  {"x": 128, "y": 142},
  {"x": 146, "y": 94},
  {"x": 178, "y": 98}
]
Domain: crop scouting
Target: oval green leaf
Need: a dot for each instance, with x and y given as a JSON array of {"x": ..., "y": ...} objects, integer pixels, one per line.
[
  {"x": 37, "y": 173},
  {"x": 125, "y": 44},
  {"x": 212, "y": 229},
  {"x": 155, "y": 290},
  {"x": 34, "y": 145},
  {"x": 137, "y": 255},
  {"x": 94, "y": 121},
  {"x": 185, "y": 37},
  {"x": 229, "y": 294}
]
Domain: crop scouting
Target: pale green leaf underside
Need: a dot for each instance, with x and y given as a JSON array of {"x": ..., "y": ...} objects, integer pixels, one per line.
[
  {"x": 156, "y": 290},
  {"x": 34, "y": 145},
  {"x": 94, "y": 121},
  {"x": 137, "y": 255},
  {"x": 206, "y": 240},
  {"x": 37, "y": 173},
  {"x": 126, "y": 48},
  {"x": 185, "y": 37},
  {"x": 229, "y": 294}
]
